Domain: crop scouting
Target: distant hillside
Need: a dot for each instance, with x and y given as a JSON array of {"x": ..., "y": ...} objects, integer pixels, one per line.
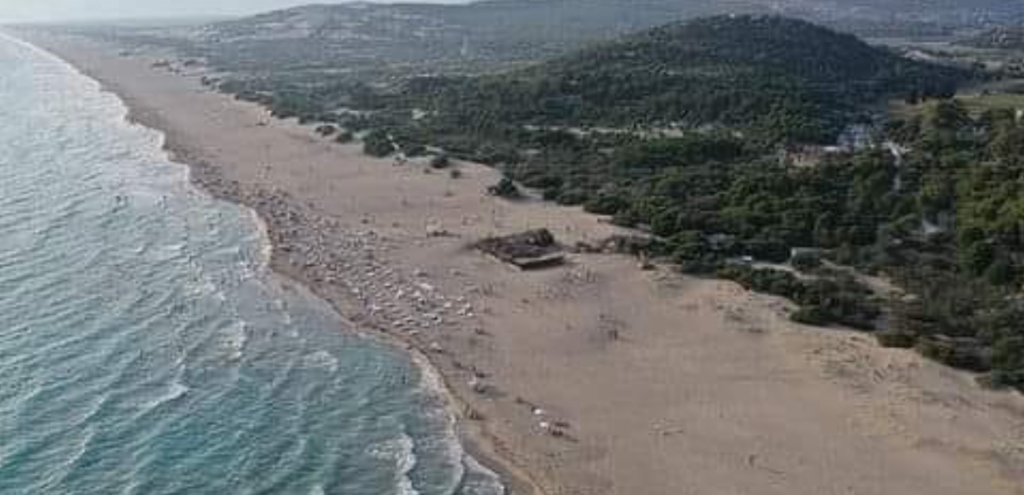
[
  {"x": 488, "y": 19},
  {"x": 515, "y": 30},
  {"x": 489, "y": 31},
  {"x": 1009, "y": 38},
  {"x": 773, "y": 77},
  {"x": 955, "y": 13},
  {"x": 589, "y": 18}
]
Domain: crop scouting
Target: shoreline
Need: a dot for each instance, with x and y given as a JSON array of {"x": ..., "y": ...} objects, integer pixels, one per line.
[
  {"x": 749, "y": 395},
  {"x": 474, "y": 441}
]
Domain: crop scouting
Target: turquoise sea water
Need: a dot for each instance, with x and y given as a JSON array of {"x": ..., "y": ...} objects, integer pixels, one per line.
[{"x": 146, "y": 349}]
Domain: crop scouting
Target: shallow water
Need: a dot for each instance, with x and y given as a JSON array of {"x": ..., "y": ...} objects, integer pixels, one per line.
[{"x": 146, "y": 349}]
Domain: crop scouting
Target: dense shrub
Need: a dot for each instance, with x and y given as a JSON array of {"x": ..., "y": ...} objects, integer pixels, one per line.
[
  {"x": 505, "y": 188},
  {"x": 440, "y": 161},
  {"x": 378, "y": 144},
  {"x": 900, "y": 340},
  {"x": 841, "y": 301},
  {"x": 806, "y": 261},
  {"x": 344, "y": 136},
  {"x": 956, "y": 354}
]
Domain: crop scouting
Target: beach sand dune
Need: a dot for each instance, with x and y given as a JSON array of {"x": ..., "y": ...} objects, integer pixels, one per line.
[{"x": 595, "y": 377}]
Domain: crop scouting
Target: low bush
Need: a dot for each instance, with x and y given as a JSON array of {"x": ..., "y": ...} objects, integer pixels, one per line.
[{"x": 505, "y": 188}]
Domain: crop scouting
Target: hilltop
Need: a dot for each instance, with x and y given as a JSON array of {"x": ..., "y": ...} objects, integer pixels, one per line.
[
  {"x": 773, "y": 78},
  {"x": 551, "y": 21}
]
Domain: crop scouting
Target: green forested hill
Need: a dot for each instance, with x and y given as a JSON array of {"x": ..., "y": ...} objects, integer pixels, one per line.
[
  {"x": 369, "y": 40},
  {"x": 423, "y": 34},
  {"x": 686, "y": 130},
  {"x": 776, "y": 79}
]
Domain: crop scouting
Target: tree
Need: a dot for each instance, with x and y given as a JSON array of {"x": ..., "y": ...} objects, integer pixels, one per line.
[
  {"x": 505, "y": 188},
  {"x": 378, "y": 143}
]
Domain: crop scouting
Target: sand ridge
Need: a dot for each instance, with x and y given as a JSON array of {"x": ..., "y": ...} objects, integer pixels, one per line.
[{"x": 661, "y": 384}]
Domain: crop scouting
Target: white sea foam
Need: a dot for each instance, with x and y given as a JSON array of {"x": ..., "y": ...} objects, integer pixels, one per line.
[
  {"x": 235, "y": 337},
  {"x": 174, "y": 391},
  {"x": 401, "y": 451},
  {"x": 204, "y": 287},
  {"x": 266, "y": 246},
  {"x": 483, "y": 482},
  {"x": 324, "y": 360},
  {"x": 468, "y": 476},
  {"x": 433, "y": 385}
]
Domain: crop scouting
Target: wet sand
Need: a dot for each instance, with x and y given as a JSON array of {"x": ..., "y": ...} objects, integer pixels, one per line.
[{"x": 656, "y": 384}]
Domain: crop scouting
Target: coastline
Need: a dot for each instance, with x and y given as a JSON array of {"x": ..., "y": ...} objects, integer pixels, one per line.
[
  {"x": 475, "y": 441},
  {"x": 577, "y": 467}
]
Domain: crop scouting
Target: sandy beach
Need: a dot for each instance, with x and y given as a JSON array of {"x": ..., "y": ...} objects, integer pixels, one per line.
[{"x": 593, "y": 378}]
